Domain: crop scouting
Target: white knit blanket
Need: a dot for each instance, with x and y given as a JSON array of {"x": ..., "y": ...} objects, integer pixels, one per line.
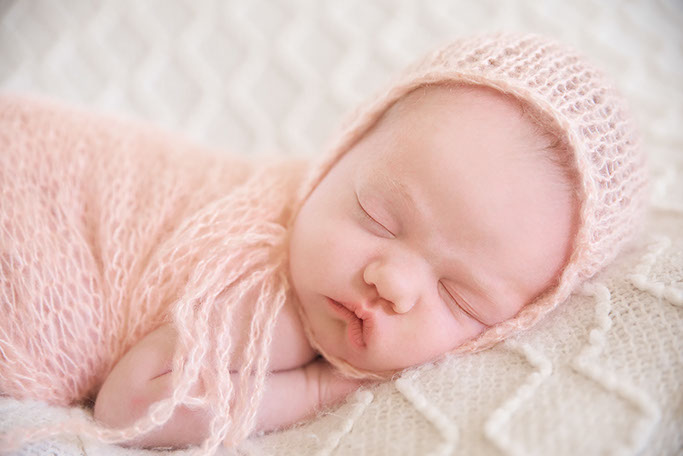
[{"x": 602, "y": 375}]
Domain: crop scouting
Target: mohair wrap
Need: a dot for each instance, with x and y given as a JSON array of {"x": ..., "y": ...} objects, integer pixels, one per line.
[{"x": 109, "y": 229}]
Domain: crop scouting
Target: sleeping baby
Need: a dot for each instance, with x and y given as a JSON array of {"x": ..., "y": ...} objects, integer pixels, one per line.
[{"x": 458, "y": 207}]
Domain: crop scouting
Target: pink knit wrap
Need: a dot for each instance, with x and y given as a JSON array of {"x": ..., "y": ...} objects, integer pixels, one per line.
[{"x": 109, "y": 229}]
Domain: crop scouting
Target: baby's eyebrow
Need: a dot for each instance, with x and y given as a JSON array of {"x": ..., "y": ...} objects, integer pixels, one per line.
[
  {"x": 487, "y": 302},
  {"x": 396, "y": 189}
]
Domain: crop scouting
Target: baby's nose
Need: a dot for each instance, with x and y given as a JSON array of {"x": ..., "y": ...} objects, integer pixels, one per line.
[
  {"x": 402, "y": 305},
  {"x": 395, "y": 284}
]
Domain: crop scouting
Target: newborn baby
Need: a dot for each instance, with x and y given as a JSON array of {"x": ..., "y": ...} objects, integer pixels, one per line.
[
  {"x": 449, "y": 216},
  {"x": 199, "y": 300}
]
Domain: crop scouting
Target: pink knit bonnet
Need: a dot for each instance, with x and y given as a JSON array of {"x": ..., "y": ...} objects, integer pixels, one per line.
[{"x": 578, "y": 105}]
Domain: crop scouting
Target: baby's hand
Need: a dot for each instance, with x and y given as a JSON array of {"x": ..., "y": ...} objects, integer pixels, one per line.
[
  {"x": 332, "y": 387},
  {"x": 297, "y": 394},
  {"x": 143, "y": 377}
]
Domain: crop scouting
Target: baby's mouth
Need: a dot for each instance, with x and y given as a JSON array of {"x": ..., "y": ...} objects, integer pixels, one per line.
[{"x": 357, "y": 322}]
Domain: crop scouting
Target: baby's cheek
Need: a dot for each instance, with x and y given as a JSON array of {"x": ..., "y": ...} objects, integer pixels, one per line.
[
  {"x": 341, "y": 245},
  {"x": 442, "y": 333},
  {"x": 138, "y": 404}
]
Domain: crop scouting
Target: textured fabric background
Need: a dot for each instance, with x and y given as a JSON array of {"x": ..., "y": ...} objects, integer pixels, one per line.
[{"x": 600, "y": 376}]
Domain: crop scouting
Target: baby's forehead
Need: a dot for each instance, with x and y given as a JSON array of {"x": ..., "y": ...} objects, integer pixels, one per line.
[
  {"x": 476, "y": 130},
  {"x": 453, "y": 97},
  {"x": 430, "y": 109}
]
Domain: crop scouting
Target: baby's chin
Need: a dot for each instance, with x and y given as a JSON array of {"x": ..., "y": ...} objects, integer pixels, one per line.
[{"x": 367, "y": 362}]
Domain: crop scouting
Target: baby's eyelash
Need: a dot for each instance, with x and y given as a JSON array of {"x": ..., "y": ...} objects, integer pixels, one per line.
[
  {"x": 455, "y": 303},
  {"x": 371, "y": 219},
  {"x": 449, "y": 296}
]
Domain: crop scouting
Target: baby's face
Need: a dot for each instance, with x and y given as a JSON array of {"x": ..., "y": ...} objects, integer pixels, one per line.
[{"x": 441, "y": 221}]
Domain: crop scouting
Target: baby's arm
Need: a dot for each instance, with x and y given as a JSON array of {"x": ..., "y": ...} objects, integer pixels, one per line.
[
  {"x": 143, "y": 377},
  {"x": 290, "y": 396}
]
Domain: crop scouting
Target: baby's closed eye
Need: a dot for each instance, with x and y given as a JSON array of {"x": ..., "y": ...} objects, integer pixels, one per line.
[
  {"x": 371, "y": 222},
  {"x": 455, "y": 302}
]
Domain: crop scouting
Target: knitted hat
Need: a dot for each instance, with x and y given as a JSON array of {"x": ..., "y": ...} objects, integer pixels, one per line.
[{"x": 577, "y": 104}]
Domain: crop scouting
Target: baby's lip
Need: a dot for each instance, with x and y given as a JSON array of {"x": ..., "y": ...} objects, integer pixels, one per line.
[
  {"x": 356, "y": 315},
  {"x": 358, "y": 310}
]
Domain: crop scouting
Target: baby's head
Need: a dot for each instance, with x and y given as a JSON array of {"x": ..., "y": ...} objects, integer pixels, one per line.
[{"x": 460, "y": 207}]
